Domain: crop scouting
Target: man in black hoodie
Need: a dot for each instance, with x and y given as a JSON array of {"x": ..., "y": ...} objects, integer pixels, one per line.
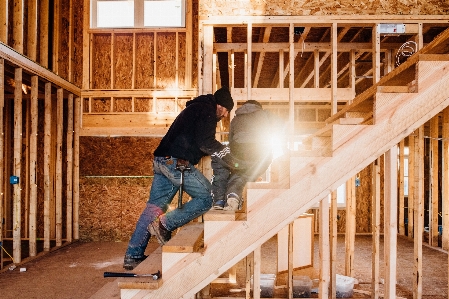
[{"x": 190, "y": 137}]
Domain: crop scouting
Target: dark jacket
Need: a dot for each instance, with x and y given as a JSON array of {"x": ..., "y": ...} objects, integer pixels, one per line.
[{"x": 192, "y": 134}]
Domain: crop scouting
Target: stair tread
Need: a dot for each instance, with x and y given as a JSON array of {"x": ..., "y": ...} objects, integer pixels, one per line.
[
  {"x": 188, "y": 239},
  {"x": 151, "y": 264}
]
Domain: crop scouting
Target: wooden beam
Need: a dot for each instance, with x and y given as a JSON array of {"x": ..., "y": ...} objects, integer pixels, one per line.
[
  {"x": 33, "y": 163},
  {"x": 36, "y": 69},
  {"x": 47, "y": 151},
  {"x": 334, "y": 41},
  {"x": 433, "y": 179},
  {"x": 17, "y": 166},
  {"x": 297, "y": 94},
  {"x": 375, "y": 229},
  {"x": 58, "y": 173},
  {"x": 291, "y": 82},
  {"x": 2, "y": 145},
  {"x": 418, "y": 213},
  {"x": 4, "y": 21},
  {"x": 411, "y": 184},
  {"x": 390, "y": 220},
  {"x": 401, "y": 198}
]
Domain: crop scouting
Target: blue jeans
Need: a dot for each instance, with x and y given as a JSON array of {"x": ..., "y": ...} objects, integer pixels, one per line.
[
  {"x": 165, "y": 186},
  {"x": 226, "y": 181}
]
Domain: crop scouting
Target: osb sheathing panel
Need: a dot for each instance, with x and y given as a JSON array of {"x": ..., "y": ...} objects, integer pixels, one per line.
[
  {"x": 195, "y": 43},
  {"x": 182, "y": 60},
  {"x": 142, "y": 104},
  {"x": 123, "y": 61},
  {"x": 110, "y": 206},
  {"x": 101, "y": 105},
  {"x": 144, "y": 61},
  {"x": 165, "y": 60},
  {"x": 101, "y": 61},
  {"x": 122, "y": 105},
  {"x": 321, "y": 7}
]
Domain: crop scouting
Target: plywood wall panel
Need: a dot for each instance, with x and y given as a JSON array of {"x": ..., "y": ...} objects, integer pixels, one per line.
[
  {"x": 144, "y": 60},
  {"x": 101, "y": 61},
  {"x": 77, "y": 64},
  {"x": 165, "y": 60},
  {"x": 123, "y": 61},
  {"x": 320, "y": 7}
]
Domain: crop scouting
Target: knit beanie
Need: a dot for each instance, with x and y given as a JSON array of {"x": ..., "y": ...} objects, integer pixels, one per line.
[{"x": 223, "y": 98}]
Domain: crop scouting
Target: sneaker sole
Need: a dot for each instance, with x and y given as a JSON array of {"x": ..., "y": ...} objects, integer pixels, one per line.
[
  {"x": 233, "y": 205},
  {"x": 155, "y": 232}
]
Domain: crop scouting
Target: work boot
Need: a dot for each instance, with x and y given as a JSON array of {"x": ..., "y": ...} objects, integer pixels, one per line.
[
  {"x": 219, "y": 204},
  {"x": 130, "y": 263},
  {"x": 233, "y": 202},
  {"x": 157, "y": 229}
]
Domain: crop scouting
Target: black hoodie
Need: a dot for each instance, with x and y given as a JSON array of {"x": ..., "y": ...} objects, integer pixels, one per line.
[{"x": 192, "y": 134}]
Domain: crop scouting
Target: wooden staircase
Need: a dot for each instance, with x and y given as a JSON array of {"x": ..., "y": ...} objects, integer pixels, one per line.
[{"x": 377, "y": 120}]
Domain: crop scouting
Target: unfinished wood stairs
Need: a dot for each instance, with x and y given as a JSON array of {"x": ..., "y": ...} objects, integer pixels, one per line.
[{"x": 378, "y": 119}]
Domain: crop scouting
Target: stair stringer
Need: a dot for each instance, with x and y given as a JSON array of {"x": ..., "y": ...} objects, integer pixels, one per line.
[{"x": 396, "y": 116}]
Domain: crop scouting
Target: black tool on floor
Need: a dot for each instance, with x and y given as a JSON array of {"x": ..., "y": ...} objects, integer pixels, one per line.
[
  {"x": 182, "y": 166},
  {"x": 155, "y": 276}
]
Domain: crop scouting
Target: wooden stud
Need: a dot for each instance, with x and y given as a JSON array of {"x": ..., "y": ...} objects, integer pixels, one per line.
[
  {"x": 376, "y": 53},
  {"x": 323, "y": 290},
  {"x": 375, "y": 229},
  {"x": 32, "y": 30},
  {"x": 33, "y": 163},
  {"x": 189, "y": 46},
  {"x": 350, "y": 226},
  {"x": 4, "y": 22},
  {"x": 401, "y": 198},
  {"x": 44, "y": 20},
  {"x": 334, "y": 52},
  {"x": 352, "y": 73},
  {"x": 291, "y": 81},
  {"x": 418, "y": 213},
  {"x": 291, "y": 233},
  {"x": 390, "y": 220},
  {"x": 86, "y": 46},
  {"x": 445, "y": 180},
  {"x": 58, "y": 183},
  {"x": 71, "y": 41},
  {"x": 2, "y": 144},
  {"x": 47, "y": 151},
  {"x": 249, "y": 265},
  {"x": 112, "y": 45},
  {"x": 207, "y": 60},
  {"x": 76, "y": 170},
  {"x": 55, "y": 35},
  {"x": 17, "y": 166},
  {"x": 256, "y": 276},
  {"x": 69, "y": 159},
  {"x": 333, "y": 241},
  {"x": 433, "y": 179},
  {"x": 17, "y": 29},
  {"x": 411, "y": 184}
]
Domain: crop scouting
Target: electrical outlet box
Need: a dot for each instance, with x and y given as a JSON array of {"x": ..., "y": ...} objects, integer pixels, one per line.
[
  {"x": 13, "y": 180},
  {"x": 391, "y": 28}
]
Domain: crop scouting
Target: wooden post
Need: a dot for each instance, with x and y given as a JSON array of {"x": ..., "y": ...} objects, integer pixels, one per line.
[
  {"x": 291, "y": 82},
  {"x": 69, "y": 185},
  {"x": 207, "y": 59},
  {"x": 418, "y": 213},
  {"x": 86, "y": 45},
  {"x": 55, "y": 35},
  {"x": 76, "y": 164},
  {"x": 433, "y": 179},
  {"x": 291, "y": 233},
  {"x": 333, "y": 268},
  {"x": 411, "y": 184},
  {"x": 47, "y": 150},
  {"x": 323, "y": 292},
  {"x": 375, "y": 228},
  {"x": 376, "y": 53},
  {"x": 249, "y": 265},
  {"x": 401, "y": 210},
  {"x": 58, "y": 183},
  {"x": 2, "y": 144},
  {"x": 445, "y": 180},
  {"x": 390, "y": 221},
  {"x": 33, "y": 162},
  {"x": 350, "y": 226},
  {"x": 17, "y": 166}
]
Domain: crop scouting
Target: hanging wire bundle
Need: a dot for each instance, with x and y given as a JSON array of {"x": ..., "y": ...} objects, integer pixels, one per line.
[{"x": 405, "y": 51}]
